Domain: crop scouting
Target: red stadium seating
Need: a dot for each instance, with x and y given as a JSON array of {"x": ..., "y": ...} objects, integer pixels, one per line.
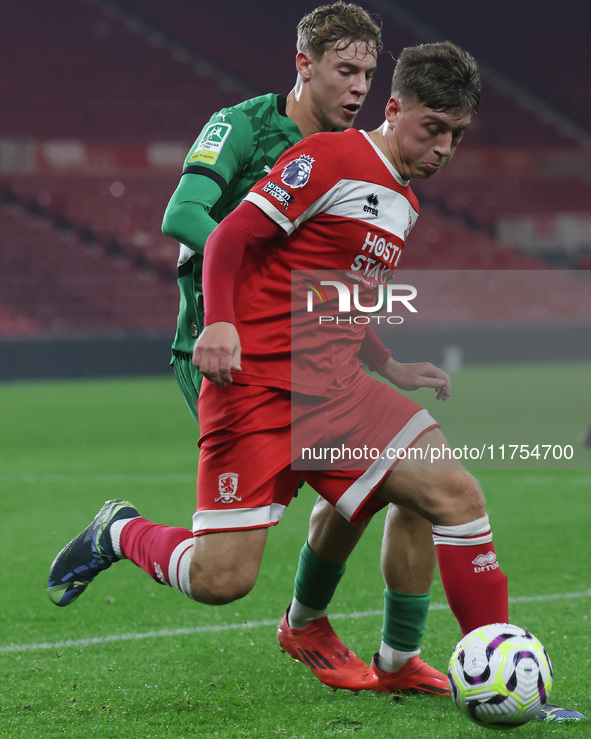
[
  {"x": 102, "y": 74},
  {"x": 124, "y": 208},
  {"x": 51, "y": 282},
  {"x": 82, "y": 74}
]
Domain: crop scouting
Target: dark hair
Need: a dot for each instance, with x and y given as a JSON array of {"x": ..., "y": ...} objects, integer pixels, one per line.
[
  {"x": 338, "y": 25},
  {"x": 441, "y": 76}
]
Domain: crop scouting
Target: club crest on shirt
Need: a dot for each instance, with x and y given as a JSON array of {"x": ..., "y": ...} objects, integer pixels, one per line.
[
  {"x": 408, "y": 229},
  {"x": 297, "y": 172},
  {"x": 227, "y": 486}
]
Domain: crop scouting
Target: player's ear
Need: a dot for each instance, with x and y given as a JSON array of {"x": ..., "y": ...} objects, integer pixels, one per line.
[
  {"x": 304, "y": 65},
  {"x": 393, "y": 108}
]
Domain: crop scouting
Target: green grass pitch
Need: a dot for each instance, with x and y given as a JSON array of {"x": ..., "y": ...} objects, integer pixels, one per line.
[{"x": 135, "y": 659}]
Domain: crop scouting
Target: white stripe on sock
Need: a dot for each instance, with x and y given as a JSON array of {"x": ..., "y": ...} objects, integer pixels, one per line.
[
  {"x": 116, "y": 528},
  {"x": 464, "y": 535},
  {"x": 178, "y": 566}
]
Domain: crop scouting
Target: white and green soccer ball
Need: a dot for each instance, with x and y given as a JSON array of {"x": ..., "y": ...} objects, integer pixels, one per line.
[{"x": 500, "y": 676}]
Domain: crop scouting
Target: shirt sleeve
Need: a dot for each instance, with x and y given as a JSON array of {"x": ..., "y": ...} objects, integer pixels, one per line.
[
  {"x": 303, "y": 183},
  {"x": 216, "y": 157},
  {"x": 245, "y": 226},
  {"x": 372, "y": 351},
  {"x": 187, "y": 218}
]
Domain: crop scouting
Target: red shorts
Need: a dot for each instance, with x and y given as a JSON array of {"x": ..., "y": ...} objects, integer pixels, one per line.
[{"x": 257, "y": 443}]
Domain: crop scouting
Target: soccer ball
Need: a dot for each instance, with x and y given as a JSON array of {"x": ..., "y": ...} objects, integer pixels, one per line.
[{"x": 500, "y": 675}]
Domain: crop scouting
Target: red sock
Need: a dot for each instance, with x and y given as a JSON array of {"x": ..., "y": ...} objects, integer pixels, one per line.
[
  {"x": 475, "y": 587},
  {"x": 164, "y": 552}
]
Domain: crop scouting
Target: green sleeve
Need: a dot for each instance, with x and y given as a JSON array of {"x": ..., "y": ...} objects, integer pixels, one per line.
[
  {"x": 217, "y": 156},
  {"x": 187, "y": 218}
]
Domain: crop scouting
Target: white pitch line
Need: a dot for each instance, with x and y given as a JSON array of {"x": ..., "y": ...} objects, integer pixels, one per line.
[{"x": 191, "y": 630}]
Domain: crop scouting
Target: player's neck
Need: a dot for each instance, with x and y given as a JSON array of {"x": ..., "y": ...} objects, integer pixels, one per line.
[
  {"x": 298, "y": 109},
  {"x": 382, "y": 138}
]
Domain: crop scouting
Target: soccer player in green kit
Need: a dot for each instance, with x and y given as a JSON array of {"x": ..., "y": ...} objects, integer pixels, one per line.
[{"x": 336, "y": 57}]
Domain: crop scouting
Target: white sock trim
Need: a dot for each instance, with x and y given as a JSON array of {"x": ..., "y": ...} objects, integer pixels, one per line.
[
  {"x": 391, "y": 659},
  {"x": 116, "y": 528},
  {"x": 179, "y": 564},
  {"x": 473, "y": 528},
  {"x": 464, "y": 535},
  {"x": 301, "y": 616}
]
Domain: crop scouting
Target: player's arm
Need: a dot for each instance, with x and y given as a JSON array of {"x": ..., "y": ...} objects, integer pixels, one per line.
[
  {"x": 412, "y": 376},
  {"x": 215, "y": 158},
  {"x": 187, "y": 218},
  {"x": 405, "y": 376},
  {"x": 372, "y": 351},
  {"x": 217, "y": 350},
  {"x": 268, "y": 210}
]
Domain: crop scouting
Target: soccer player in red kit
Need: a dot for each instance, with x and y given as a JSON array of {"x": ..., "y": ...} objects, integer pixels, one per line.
[
  {"x": 338, "y": 46},
  {"x": 277, "y": 384},
  {"x": 308, "y": 215}
]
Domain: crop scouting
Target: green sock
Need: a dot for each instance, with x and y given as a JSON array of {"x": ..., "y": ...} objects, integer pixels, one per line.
[
  {"x": 405, "y": 616},
  {"x": 316, "y": 579}
]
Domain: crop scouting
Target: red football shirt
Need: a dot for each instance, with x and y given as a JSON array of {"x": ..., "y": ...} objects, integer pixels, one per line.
[{"x": 345, "y": 213}]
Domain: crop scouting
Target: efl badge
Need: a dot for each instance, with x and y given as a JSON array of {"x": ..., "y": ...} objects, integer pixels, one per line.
[
  {"x": 210, "y": 144},
  {"x": 227, "y": 485},
  {"x": 297, "y": 172}
]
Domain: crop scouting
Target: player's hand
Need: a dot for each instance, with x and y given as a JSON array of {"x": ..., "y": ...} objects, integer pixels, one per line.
[
  {"x": 217, "y": 353},
  {"x": 413, "y": 376}
]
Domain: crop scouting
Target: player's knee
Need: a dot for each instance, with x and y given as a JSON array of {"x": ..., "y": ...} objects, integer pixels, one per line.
[
  {"x": 401, "y": 518},
  {"x": 220, "y": 587},
  {"x": 462, "y": 499}
]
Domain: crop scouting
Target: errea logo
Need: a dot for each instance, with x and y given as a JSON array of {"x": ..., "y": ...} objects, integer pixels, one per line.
[
  {"x": 485, "y": 562},
  {"x": 372, "y": 205}
]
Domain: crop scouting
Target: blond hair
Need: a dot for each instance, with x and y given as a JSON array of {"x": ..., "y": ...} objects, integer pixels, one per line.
[{"x": 337, "y": 26}]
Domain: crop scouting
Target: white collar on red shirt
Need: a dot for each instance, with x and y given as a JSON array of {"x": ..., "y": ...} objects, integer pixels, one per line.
[{"x": 387, "y": 162}]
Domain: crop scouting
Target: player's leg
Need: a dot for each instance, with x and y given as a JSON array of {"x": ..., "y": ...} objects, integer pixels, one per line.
[
  {"x": 451, "y": 499},
  {"x": 408, "y": 565},
  {"x": 332, "y": 538},
  {"x": 408, "y": 559},
  {"x": 189, "y": 380},
  {"x": 322, "y": 563},
  {"x": 305, "y": 631},
  {"x": 239, "y": 487},
  {"x": 215, "y": 568},
  {"x": 225, "y": 566}
]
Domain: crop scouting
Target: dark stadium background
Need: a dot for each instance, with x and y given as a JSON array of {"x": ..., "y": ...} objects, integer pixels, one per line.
[{"x": 101, "y": 100}]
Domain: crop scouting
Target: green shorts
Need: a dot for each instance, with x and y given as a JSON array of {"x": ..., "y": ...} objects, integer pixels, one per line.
[{"x": 189, "y": 380}]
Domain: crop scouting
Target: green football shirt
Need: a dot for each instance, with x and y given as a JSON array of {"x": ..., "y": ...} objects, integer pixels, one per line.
[{"x": 236, "y": 148}]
